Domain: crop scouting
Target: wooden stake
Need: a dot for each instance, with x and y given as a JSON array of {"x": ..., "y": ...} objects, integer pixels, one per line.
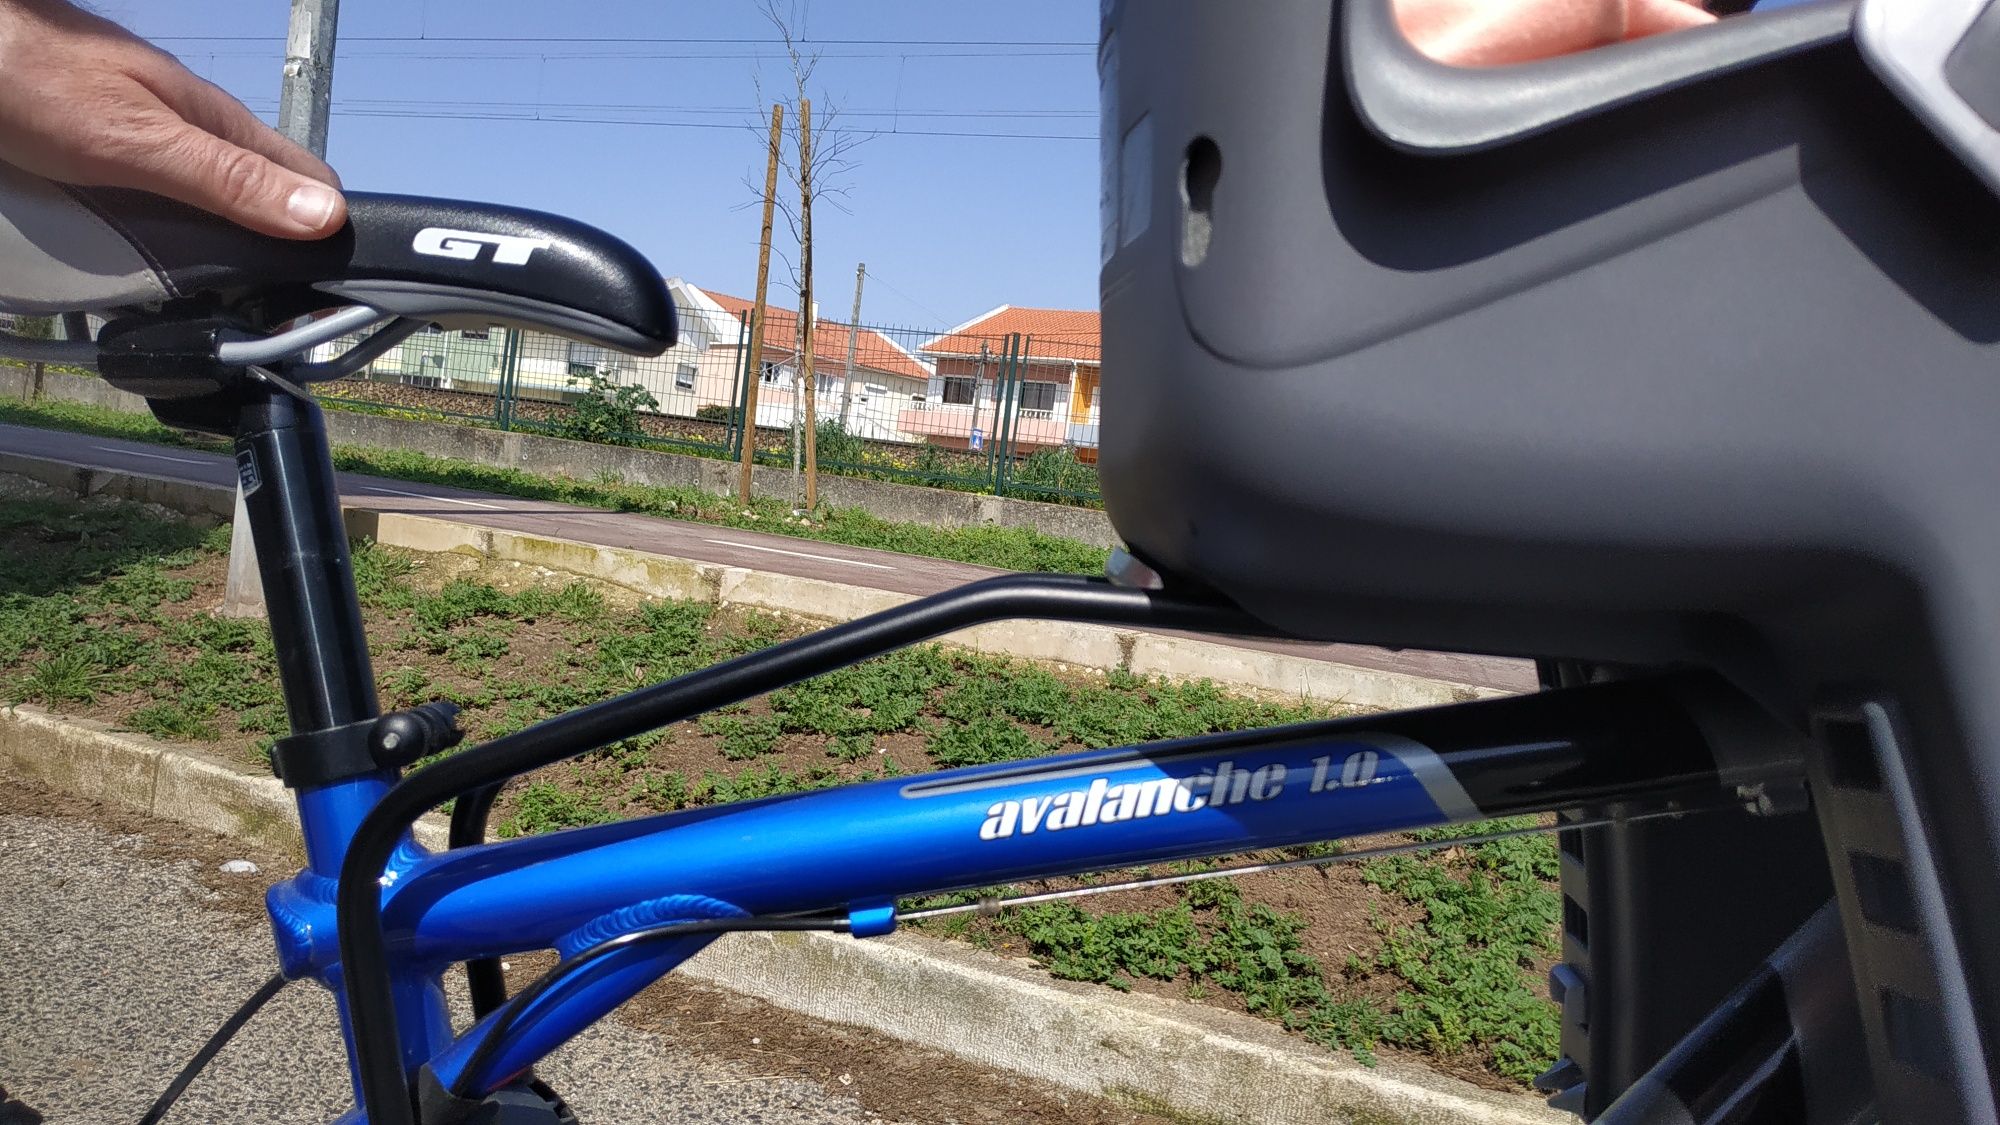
[
  {"x": 806, "y": 301},
  {"x": 755, "y": 370}
]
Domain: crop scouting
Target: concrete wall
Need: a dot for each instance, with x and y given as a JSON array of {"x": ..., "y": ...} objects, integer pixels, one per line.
[
  {"x": 578, "y": 460},
  {"x": 18, "y": 382}
]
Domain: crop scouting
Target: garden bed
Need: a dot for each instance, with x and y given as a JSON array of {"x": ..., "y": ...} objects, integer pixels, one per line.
[{"x": 106, "y": 611}]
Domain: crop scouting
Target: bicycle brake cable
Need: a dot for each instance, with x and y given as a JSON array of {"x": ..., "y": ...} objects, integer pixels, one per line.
[
  {"x": 214, "y": 1046},
  {"x": 993, "y": 904}
]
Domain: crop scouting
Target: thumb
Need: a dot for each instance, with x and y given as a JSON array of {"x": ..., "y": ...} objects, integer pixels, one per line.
[{"x": 205, "y": 171}]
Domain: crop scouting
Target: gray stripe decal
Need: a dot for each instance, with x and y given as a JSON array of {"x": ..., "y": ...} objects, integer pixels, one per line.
[
  {"x": 1438, "y": 782},
  {"x": 1024, "y": 776},
  {"x": 1430, "y": 771}
]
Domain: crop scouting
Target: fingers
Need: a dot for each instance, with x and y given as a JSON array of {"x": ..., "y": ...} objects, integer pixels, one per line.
[
  {"x": 201, "y": 169},
  {"x": 209, "y": 151},
  {"x": 207, "y": 106},
  {"x": 86, "y": 102},
  {"x": 1650, "y": 17}
]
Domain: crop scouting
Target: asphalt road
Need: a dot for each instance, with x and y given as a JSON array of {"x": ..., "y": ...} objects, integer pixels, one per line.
[
  {"x": 123, "y": 945},
  {"x": 855, "y": 566},
  {"x": 115, "y": 964}
]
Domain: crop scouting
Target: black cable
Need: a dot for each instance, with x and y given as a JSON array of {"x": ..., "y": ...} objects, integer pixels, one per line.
[
  {"x": 495, "y": 1037},
  {"x": 483, "y": 978},
  {"x": 214, "y": 1046}
]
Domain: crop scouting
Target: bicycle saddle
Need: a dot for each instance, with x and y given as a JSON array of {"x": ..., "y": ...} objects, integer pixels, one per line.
[{"x": 70, "y": 248}]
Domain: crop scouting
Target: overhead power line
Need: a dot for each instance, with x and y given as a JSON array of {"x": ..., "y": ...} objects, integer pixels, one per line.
[
  {"x": 745, "y": 111},
  {"x": 643, "y": 55},
  {"x": 571, "y": 120},
  {"x": 765, "y": 41},
  {"x": 515, "y": 112}
]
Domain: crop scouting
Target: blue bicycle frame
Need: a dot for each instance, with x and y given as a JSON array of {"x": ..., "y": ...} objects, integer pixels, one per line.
[{"x": 378, "y": 919}]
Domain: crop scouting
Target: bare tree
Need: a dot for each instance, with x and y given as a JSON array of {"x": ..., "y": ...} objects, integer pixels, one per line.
[
  {"x": 832, "y": 162},
  {"x": 816, "y": 165}
]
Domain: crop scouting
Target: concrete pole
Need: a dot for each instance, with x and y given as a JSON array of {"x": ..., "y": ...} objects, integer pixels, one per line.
[
  {"x": 307, "y": 96},
  {"x": 303, "y": 104},
  {"x": 853, "y": 334}
]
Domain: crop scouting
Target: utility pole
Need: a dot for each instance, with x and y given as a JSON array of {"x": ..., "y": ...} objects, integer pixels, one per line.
[
  {"x": 853, "y": 334},
  {"x": 806, "y": 308},
  {"x": 303, "y": 104},
  {"x": 756, "y": 366},
  {"x": 308, "y": 91}
]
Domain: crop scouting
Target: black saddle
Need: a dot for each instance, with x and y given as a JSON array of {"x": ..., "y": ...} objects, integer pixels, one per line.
[{"x": 102, "y": 249}]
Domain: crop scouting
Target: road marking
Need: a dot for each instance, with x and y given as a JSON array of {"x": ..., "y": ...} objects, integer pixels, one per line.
[
  {"x": 154, "y": 456},
  {"x": 440, "y": 499},
  {"x": 800, "y": 554}
]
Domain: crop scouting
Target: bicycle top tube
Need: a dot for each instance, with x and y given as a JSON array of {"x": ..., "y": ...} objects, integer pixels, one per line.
[{"x": 860, "y": 848}]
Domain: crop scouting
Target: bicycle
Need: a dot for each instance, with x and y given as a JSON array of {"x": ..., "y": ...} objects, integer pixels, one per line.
[{"x": 1667, "y": 702}]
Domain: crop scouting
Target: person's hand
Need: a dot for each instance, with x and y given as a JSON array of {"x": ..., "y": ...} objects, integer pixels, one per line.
[
  {"x": 86, "y": 102},
  {"x": 1497, "y": 32}
]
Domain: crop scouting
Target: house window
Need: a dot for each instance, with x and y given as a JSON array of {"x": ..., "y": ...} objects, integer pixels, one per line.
[
  {"x": 959, "y": 390},
  {"x": 684, "y": 376},
  {"x": 581, "y": 370},
  {"x": 429, "y": 330},
  {"x": 1039, "y": 396},
  {"x": 775, "y": 373},
  {"x": 475, "y": 334}
]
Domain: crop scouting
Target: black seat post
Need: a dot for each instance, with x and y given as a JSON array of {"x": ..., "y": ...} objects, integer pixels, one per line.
[{"x": 286, "y": 470}]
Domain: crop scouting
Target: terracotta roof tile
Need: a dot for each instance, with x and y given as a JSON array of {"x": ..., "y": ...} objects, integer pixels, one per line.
[
  {"x": 872, "y": 350},
  {"x": 1049, "y": 333}
]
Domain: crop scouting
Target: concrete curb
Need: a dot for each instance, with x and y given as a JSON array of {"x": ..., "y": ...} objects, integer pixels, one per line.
[
  {"x": 1161, "y": 1055},
  {"x": 1083, "y": 646},
  {"x": 96, "y": 760}
]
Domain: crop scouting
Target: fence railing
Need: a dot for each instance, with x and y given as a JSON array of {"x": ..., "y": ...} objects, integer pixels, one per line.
[{"x": 991, "y": 414}]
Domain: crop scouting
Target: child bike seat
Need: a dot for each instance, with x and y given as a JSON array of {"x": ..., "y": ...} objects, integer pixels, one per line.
[{"x": 1683, "y": 351}]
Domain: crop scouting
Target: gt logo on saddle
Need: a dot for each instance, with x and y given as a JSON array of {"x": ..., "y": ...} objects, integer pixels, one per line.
[{"x": 508, "y": 249}]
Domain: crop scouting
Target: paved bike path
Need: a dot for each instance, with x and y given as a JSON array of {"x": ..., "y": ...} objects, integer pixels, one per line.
[{"x": 805, "y": 558}]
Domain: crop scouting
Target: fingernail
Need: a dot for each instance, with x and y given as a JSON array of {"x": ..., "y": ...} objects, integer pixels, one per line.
[{"x": 311, "y": 205}]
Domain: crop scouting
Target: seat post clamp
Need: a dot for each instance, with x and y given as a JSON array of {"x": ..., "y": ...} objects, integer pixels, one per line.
[{"x": 392, "y": 741}]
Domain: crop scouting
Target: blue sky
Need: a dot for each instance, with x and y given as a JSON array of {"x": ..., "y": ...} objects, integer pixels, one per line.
[{"x": 442, "y": 97}]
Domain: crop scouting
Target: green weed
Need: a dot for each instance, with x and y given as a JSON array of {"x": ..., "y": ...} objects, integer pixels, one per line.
[
  {"x": 544, "y": 806},
  {"x": 379, "y": 571},
  {"x": 1485, "y": 921},
  {"x": 172, "y": 722},
  {"x": 742, "y": 737},
  {"x": 68, "y": 676}
]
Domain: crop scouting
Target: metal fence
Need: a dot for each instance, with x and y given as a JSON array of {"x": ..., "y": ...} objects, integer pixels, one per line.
[{"x": 1001, "y": 414}]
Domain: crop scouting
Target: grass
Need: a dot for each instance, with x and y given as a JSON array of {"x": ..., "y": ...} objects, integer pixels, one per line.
[
  {"x": 1463, "y": 970},
  {"x": 103, "y": 612},
  {"x": 1486, "y": 918},
  {"x": 1004, "y": 548}
]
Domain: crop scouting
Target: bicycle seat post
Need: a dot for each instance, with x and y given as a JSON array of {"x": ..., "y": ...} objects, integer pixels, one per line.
[{"x": 286, "y": 471}]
